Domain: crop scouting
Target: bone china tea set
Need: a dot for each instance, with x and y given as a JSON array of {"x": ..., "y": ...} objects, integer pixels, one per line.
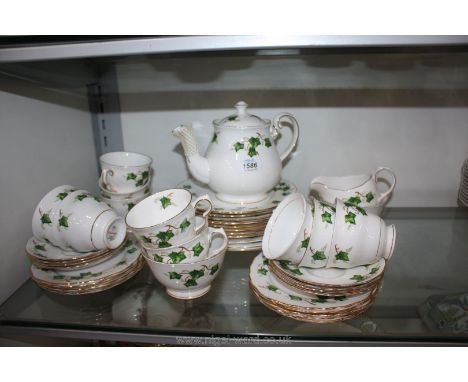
[{"x": 321, "y": 259}]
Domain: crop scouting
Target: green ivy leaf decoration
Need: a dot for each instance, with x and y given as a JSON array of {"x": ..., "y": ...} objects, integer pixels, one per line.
[
  {"x": 319, "y": 255},
  {"x": 238, "y": 146},
  {"x": 214, "y": 269},
  {"x": 59, "y": 277},
  {"x": 145, "y": 174},
  {"x": 165, "y": 235},
  {"x": 45, "y": 219},
  {"x": 85, "y": 274},
  {"x": 158, "y": 258},
  {"x": 96, "y": 274},
  {"x": 252, "y": 152},
  {"x": 174, "y": 276},
  {"x": 131, "y": 176},
  {"x": 327, "y": 217},
  {"x": 296, "y": 271},
  {"x": 215, "y": 138},
  {"x": 358, "y": 278},
  {"x": 283, "y": 264},
  {"x": 196, "y": 274},
  {"x": 190, "y": 283},
  {"x": 295, "y": 298},
  {"x": 140, "y": 182},
  {"x": 121, "y": 262},
  {"x": 39, "y": 247},
  {"x": 164, "y": 244},
  {"x": 272, "y": 287},
  {"x": 342, "y": 255},
  {"x": 131, "y": 250},
  {"x": 81, "y": 197},
  {"x": 129, "y": 243},
  {"x": 197, "y": 249},
  {"x": 96, "y": 199},
  {"x": 165, "y": 202},
  {"x": 369, "y": 197},
  {"x": 184, "y": 225},
  {"x": 361, "y": 210},
  {"x": 177, "y": 257},
  {"x": 354, "y": 200},
  {"x": 62, "y": 195},
  {"x": 63, "y": 221},
  {"x": 232, "y": 118},
  {"x": 374, "y": 270},
  {"x": 305, "y": 242},
  {"x": 262, "y": 271},
  {"x": 265, "y": 261},
  {"x": 146, "y": 239},
  {"x": 350, "y": 218},
  {"x": 254, "y": 142},
  {"x": 322, "y": 299},
  {"x": 130, "y": 206},
  {"x": 340, "y": 298},
  {"x": 267, "y": 142}
]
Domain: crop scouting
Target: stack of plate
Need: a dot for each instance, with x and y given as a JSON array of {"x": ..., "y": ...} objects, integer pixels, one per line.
[
  {"x": 463, "y": 191},
  {"x": 244, "y": 224},
  {"x": 315, "y": 295},
  {"x": 68, "y": 272}
]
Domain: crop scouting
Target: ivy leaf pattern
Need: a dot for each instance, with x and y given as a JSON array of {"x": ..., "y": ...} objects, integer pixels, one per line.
[
  {"x": 190, "y": 282},
  {"x": 177, "y": 257},
  {"x": 354, "y": 200},
  {"x": 130, "y": 206},
  {"x": 131, "y": 250},
  {"x": 174, "y": 276},
  {"x": 58, "y": 277},
  {"x": 262, "y": 271},
  {"x": 184, "y": 225},
  {"x": 267, "y": 142},
  {"x": 62, "y": 195},
  {"x": 319, "y": 255},
  {"x": 358, "y": 278},
  {"x": 305, "y": 242},
  {"x": 327, "y": 217},
  {"x": 214, "y": 269},
  {"x": 322, "y": 299},
  {"x": 295, "y": 298},
  {"x": 165, "y": 235},
  {"x": 232, "y": 118},
  {"x": 81, "y": 197},
  {"x": 238, "y": 146},
  {"x": 272, "y": 287},
  {"x": 340, "y": 298},
  {"x": 369, "y": 197},
  {"x": 252, "y": 152},
  {"x": 197, "y": 249},
  {"x": 63, "y": 221},
  {"x": 215, "y": 138},
  {"x": 131, "y": 176},
  {"x": 45, "y": 219},
  {"x": 164, "y": 244},
  {"x": 196, "y": 274},
  {"x": 374, "y": 270},
  {"x": 145, "y": 239},
  {"x": 158, "y": 258},
  {"x": 350, "y": 218},
  {"x": 165, "y": 202},
  {"x": 285, "y": 265},
  {"x": 39, "y": 247},
  {"x": 342, "y": 255}
]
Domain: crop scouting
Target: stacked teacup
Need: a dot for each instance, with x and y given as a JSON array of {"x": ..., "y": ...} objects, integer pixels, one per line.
[
  {"x": 324, "y": 252},
  {"x": 125, "y": 179},
  {"x": 79, "y": 244},
  {"x": 184, "y": 254}
]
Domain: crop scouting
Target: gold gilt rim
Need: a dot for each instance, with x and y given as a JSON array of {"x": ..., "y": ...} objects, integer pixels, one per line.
[
  {"x": 319, "y": 319},
  {"x": 238, "y": 224},
  {"x": 239, "y": 249},
  {"x": 272, "y": 265},
  {"x": 86, "y": 289},
  {"x": 246, "y": 236},
  {"x": 238, "y": 214},
  {"x": 80, "y": 259},
  {"x": 242, "y": 230},
  {"x": 314, "y": 309},
  {"x": 329, "y": 291},
  {"x": 68, "y": 266}
]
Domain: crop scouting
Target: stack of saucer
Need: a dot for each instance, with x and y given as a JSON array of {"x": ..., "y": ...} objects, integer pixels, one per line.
[
  {"x": 125, "y": 179},
  {"x": 79, "y": 244},
  {"x": 244, "y": 224},
  {"x": 463, "y": 191},
  {"x": 122, "y": 264}
]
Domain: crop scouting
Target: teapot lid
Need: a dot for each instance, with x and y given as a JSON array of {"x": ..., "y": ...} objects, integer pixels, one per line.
[{"x": 241, "y": 119}]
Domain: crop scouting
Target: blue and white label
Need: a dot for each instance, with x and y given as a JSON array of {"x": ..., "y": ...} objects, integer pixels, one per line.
[{"x": 250, "y": 164}]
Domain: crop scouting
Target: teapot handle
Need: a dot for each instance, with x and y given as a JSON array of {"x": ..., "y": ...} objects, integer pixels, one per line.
[{"x": 276, "y": 126}]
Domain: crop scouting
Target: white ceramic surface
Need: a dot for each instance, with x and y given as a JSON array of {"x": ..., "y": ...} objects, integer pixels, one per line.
[
  {"x": 45, "y": 215},
  {"x": 359, "y": 238},
  {"x": 87, "y": 224},
  {"x": 242, "y": 163},
  {"x": 166, "y": 218},
  {"x": 287, "y": 233},
  {"x": 191, "y": 280},
  {"x": 106, "y": 194},
  {"x": 122, "y": 206},
  {"x": 318, "y": 250},
  {"x": 124, "y": 172},
  {"x": 357, "y": 189},
  {"x": 195, "y": 249}
]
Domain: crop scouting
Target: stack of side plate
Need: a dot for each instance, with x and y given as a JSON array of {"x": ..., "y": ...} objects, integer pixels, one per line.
[
  {"x": 71, "y": 279},
  {"x": 244, "y": 224},
  {"x": 342, "y": 299},
  {"x": 463, "y": 191}
]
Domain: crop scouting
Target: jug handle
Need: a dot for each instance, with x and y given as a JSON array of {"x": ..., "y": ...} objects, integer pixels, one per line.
[
  {"x": 387, "y": 193},
  {"x": 203, "y": 198},
  {"x": 276, "y": 126}
]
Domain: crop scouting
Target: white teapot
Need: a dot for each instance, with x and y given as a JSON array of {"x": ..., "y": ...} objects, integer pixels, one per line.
[{"x": 242, "y": 163}]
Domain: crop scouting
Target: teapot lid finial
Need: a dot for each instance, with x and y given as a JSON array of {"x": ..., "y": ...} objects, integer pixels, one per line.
[{"x": 241, "y": 106}]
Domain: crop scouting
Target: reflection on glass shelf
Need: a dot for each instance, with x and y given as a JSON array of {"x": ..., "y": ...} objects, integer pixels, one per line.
[{"x": 430, "y": 262}]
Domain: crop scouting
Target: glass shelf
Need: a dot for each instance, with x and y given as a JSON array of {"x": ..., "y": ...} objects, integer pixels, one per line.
[{"x": 429, "y": 263}]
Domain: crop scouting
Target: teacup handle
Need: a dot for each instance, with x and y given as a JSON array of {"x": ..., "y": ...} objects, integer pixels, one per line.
[
  {"x": 387, "y": 193},
  {"x": 104, "y": 173},
  {"x": 203, "y": 198},
  {"x": 220, "y": 233},
  {"x": 276, "y": 126}
]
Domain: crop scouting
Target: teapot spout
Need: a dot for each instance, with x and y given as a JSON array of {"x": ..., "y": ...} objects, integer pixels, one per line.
[{"x": 198, "y": 165}]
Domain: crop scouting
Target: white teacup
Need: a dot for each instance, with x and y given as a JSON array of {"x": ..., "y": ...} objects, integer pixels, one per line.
[
  {"x": 356, "y": 189},
  {"x": 167, "y": 218},
  {"x": 87, "y": 224},
  {"x": 318, "y": 251},
  {"x": 124, "y": 172},
  {"x": 359, "y": 238},
  {"x": 45, "y": 214},
  {"x": 193, "y": 250},
  {"x": 287, "y": 233}
]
